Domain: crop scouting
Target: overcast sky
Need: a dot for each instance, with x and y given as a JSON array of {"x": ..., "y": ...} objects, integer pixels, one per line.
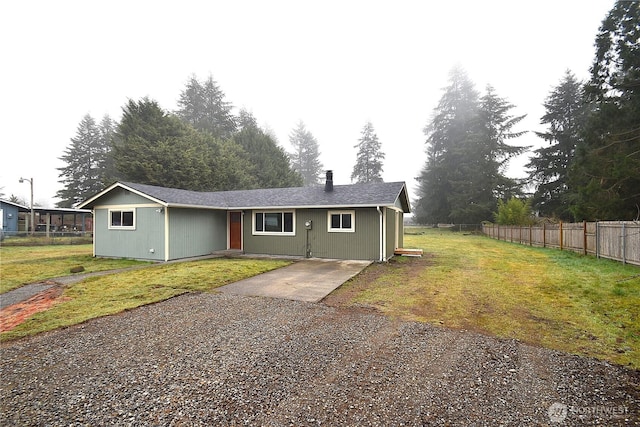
[{"x": 333, "y": 64}]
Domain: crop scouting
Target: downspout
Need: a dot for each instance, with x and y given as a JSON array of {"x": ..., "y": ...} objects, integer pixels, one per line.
[
  {"x": 166, "y": 233},
  {"x": 381, "y": 235},
  {"x": 93, "y": 229}
]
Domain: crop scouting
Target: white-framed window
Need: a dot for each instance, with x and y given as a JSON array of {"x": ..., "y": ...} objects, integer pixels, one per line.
[
  {"x": 280, "y": 223},
  {"x": 122, "y": 219},
  {"x": 341, "y": 221}
]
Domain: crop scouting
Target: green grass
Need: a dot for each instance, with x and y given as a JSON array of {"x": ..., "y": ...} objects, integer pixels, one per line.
[
  {"x": 20, "y": 265},
  {"x": 42, "y": 240},
  {"x": 546, "y": 297},
  {"x": 114, "y": 293}
]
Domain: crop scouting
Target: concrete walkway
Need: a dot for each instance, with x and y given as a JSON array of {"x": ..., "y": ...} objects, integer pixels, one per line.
[{"x": 308, "y": 280}]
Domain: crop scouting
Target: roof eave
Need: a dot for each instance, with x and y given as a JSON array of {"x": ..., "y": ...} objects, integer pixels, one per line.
[
  {"x": 342, "y": 206},
  {"x": 124, "y": 186}
]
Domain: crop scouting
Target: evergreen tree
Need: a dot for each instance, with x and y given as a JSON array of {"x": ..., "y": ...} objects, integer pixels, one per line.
[
  {"x": 270, "y": 163},
  {"x": 305, "y": 158},
  {"x": 85, "y": 160},
  {"x": 19, "y": 200},
  {"x": 106, "y": 133},
  {"x": 453, "y": 122},
  {"x": 368, "y": 167},
  {"x": 496, "y": 129},
  {"x": 606, "y": 170},
  {"x": 549, "y": 167},
  {"x": 153, "y": 147},
  {"x": 203, "y": 106},
  {"x": 467, "y": 154}
]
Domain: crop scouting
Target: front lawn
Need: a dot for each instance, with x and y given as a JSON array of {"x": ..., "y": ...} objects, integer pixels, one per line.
[
  {"x": 114, "y": 293},
  {"x": 546, "y": 297},
  {"x": 20, "y": 265}
]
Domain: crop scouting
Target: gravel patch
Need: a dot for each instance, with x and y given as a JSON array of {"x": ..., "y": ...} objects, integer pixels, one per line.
[{"x": 220, "y": 359}]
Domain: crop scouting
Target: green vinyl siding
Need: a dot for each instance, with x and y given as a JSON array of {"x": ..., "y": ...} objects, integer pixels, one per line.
[
  {"x": 362, "y": 244},
  {"x": 146, "y": 241},
  {"x": 195, "y": 232}
]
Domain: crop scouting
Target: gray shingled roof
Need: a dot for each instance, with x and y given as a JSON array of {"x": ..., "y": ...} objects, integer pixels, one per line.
[{"x": 374, "y": 194}]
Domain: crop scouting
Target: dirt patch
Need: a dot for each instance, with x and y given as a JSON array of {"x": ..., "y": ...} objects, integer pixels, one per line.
[
  {"x": 403, "y": 271},
  {"x": 15, "y": 314},
  {"x": 345, "y": 295}
]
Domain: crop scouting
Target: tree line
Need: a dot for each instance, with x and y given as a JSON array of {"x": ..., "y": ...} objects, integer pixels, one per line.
[
  {"x": 201, "y": 146},
  {"x": 589, "y": 168}
]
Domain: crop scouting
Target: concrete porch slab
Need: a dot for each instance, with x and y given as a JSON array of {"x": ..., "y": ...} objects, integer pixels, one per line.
[{"x": 308, "y": 280}]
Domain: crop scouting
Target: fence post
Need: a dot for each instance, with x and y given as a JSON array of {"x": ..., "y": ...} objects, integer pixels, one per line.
[
  {"x": 560, "y": 235},
  {"x": 597, "y": 239},
  {"x": 544, "y": 234},
  {"x": 624, "y": 244},
  {"x": 529, "y": 235},
  {"x": 584, "y": 237}
]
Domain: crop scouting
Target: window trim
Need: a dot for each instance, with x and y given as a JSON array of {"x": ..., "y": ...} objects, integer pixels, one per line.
[
  {"x": 352, "y": 229},
  {"x": 273, "y": 233},
  {"x": 121, "y": 227}
]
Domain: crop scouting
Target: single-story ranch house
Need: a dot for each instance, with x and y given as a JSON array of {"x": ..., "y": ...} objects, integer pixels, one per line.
[{"x": 358, "y": 221}]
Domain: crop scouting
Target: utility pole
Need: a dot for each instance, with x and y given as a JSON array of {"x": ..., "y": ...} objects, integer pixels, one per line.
[{"x": 33, "y": 217}]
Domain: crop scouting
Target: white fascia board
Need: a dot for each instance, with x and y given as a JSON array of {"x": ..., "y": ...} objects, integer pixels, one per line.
[
  {"x": 237, "y": 208},
  {"x": 121, "y": 185},
  {"x": 406, "y": 193},
  {"x": 100, "y": 194},
  {"x": 186, "y": 206}
]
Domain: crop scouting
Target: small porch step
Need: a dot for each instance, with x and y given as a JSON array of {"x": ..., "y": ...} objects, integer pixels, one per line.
[{"x": 408, "y": 252}]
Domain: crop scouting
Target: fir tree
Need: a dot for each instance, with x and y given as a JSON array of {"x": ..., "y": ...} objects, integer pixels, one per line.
[
  {"x": 549, "y": 166},
  {"x": 85, "y": 159},
  {"x": 454, "y": 120},
  {"x": 467, "y": 154},
  {"x": 305, "y": 159},
  {"x": 270, "y": 164},
  {"x": 203, "y": 106},
  {"x": 106, "y": 133},
  {"x": 368, "y": 167},
  {"x": 606, "y": 170},
  {"x": 153, "y": 147},
  {"x": 496, "y": 130}
]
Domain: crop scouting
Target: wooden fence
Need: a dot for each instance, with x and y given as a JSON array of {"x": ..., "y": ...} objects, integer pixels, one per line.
[{"x": 617, "y": 240}]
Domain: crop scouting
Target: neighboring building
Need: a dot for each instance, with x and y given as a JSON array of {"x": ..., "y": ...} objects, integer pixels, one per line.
[
  {"x": 360, "y": 221},
  {"x": 15, "y": 218},
  {"x": 9, "y": 213}
]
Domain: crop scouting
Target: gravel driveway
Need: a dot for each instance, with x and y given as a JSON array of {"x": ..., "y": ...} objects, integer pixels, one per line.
[{"x": 220, "y": 359}]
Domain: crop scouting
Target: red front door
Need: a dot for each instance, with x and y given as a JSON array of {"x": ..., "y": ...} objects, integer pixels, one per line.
[{"x": 235, "y": 230}]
